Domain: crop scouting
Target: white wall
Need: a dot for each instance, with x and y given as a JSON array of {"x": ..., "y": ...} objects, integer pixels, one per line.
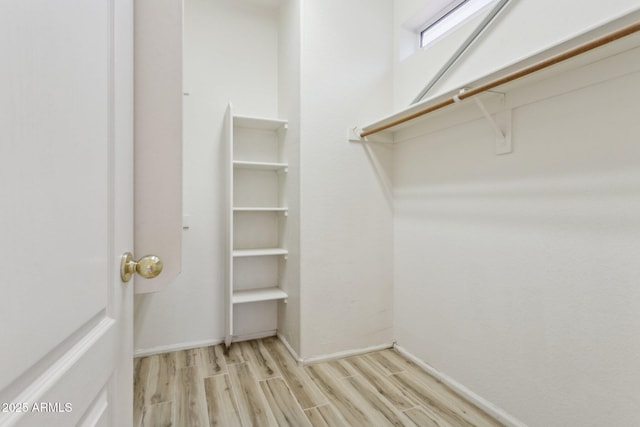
[
  {"x": 516, "y": 275},
  {"x": 346, "y": 216},
  {"x": 230, "y": 54}
]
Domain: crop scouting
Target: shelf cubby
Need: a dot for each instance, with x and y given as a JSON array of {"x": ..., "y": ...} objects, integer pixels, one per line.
[{"x": 258, "y": 295}]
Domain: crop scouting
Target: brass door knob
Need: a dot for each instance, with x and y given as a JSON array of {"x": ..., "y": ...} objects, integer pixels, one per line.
[{"x": 149, "y": 266}]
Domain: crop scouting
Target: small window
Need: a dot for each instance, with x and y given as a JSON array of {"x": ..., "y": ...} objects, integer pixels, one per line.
[{"x": 453, "y": 14}]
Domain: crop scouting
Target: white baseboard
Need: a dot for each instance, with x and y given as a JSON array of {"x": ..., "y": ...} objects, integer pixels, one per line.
[
  {"x": 292, "y": 352},
  {"x": 491, "y": 409},
  {"x": 195, "y": 344},
  {"x": 343, "y": 354},
  {"x": 175, "y": 347},
  {"x": 330, "y": 357},
  {"x": 255, "y": 336}
]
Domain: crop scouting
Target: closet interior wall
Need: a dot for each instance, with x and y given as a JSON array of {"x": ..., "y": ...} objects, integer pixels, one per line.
[{"x": 514, "y": 274}]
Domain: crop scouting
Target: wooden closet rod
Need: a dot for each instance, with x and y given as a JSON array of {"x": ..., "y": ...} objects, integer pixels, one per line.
[{"x": 585, "y": 47}]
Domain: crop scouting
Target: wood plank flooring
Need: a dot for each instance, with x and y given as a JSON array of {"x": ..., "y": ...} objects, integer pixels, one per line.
[{"x": 259, "y": 384}]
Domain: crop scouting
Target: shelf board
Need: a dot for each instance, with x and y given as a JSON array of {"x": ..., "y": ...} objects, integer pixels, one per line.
[
  {"x": 256, "y": 295},
  {"x": 259, "y": 165},
  {"x": 259, "y": 252},
  {"x": 258, "y": 123},
  {"x": 253, "y": 209}
]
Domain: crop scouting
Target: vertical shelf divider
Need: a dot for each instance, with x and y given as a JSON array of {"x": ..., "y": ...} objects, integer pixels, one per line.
[{"x": 228, "y": 298}]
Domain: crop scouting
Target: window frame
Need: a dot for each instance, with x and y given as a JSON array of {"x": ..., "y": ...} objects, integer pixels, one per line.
[{"x": 447, "y": 12}]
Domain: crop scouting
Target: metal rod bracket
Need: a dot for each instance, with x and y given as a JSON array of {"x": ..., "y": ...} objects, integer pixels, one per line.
[
  {"x": 501, "y": 125},
  {"x": 353, "y": 135}
]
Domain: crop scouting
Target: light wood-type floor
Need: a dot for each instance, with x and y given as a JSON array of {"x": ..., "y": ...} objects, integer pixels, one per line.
[{"x": 259, "y": 384}]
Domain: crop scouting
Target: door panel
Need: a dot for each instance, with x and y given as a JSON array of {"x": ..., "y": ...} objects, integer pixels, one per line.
[
  {"x": 65, "y": 210},
  {"x": 158, "y": 136},
  {"x": 51, "y": 129}
]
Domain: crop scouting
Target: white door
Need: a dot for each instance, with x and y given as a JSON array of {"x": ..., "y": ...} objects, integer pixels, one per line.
[{"x": 66, "y": 212}]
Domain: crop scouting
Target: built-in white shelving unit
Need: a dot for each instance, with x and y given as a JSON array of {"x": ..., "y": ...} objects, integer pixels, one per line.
[{"x": 257, "y": 211}]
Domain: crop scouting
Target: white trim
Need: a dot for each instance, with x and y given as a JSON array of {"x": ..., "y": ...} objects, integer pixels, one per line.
[
  {"x": 491, "y": 409},
  {"x": 49, "y": 382},
  {"x": 175, "y": 347},
  {"x": 254, "y": 336},
  {"x": 97, "y": 411},
  {"x": 449, "y": 19},
  {"x": 330, "y": 357},
  {"x": 196, "y": 344},
  {"x": 448, "y": 7},
  {"x": 291, "y": 350},
  {"x": 343, "y": 354}
]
